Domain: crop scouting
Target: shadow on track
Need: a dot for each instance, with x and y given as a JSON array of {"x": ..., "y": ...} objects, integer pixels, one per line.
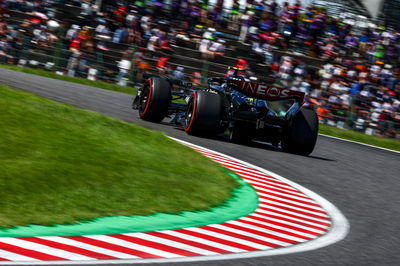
[{"x": 253, "y": 144}]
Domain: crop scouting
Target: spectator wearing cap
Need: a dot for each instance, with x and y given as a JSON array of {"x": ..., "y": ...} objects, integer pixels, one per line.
[
  {"x": 153, "y": 43},
  {"x": 131, "y": 17},
  {"x": 72, "y": 32},
  {"x": 145, "y": 23},
  {"x": 120, "y": 34},
  {"x": 242, "y": 65},
  {"x": 209, "y": 33},
  {"x": 300, "y": 70},
  {"x": 286, "y": 67},
  {"x": 218, "y": 49},
  {"x": 182, "y": 39},
  {"x": 178, "y": 73},
  {"x": 163, "y": 66},
  {"x": 102, "y": 29},
  {"x": 86, "y": 8},
  {"x": 204, "y": 48}
]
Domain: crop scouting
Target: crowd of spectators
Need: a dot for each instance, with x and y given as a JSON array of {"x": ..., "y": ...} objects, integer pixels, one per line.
[
  {"x": 348, "y": 92},
  {"x": 353, "y": 80}
]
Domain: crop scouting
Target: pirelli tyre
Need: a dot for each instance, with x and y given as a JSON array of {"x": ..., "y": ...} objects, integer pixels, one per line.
[
  {"x": 154, "y": 99},
  {"x": 203, "y": 114},
  {"x": 301, "y": 135}
]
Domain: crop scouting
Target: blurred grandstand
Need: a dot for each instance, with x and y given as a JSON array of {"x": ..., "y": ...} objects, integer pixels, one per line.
[{"x": 347, "y": 63}]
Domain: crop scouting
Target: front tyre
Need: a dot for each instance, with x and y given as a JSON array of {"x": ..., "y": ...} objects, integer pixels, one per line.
[
  {"x": 203, "y": 114},
  {"x": 154, "y": 99},
  {"x": 300, "y": 137}
]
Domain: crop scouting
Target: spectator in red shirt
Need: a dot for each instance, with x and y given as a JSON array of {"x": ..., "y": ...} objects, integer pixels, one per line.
[
  {"x": 163, "y": 66},
  {"x": 165, "y": 46},
  {"x": 75, "y": 44}
]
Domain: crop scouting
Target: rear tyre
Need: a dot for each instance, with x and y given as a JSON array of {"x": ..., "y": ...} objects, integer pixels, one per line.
[
  {"x": 203, "y": 114},
  {"x": 300, "y": 137},
  {"x": 155, "y": 99}
]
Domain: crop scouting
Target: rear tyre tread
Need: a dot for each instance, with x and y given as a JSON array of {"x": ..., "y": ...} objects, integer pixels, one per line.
[
  {"x": 301, "y": 136},
  {"x": 203, "y": 116}
]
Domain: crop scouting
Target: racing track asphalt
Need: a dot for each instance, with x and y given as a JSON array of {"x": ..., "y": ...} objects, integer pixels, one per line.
[{"x": 363, "y": 182}]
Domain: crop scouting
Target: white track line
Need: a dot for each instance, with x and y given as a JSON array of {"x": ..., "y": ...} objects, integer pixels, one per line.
[{"x": 360, "y": 143}]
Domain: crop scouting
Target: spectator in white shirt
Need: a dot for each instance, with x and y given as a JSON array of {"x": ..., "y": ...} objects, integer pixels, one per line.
[
  {"x": 124, "y": 66},
  {"x": 204, "y": 48},
  {"x": 217, "y": 48}
]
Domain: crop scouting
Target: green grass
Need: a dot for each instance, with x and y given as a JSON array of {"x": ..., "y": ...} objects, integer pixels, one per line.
[
  {"x": 61, "y": 165},
  {"x": 48, "y": 74},
  {"x": 360, "y": 137}
]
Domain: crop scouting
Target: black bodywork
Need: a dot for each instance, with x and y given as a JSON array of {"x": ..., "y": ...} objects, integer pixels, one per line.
[{"x": 251, "y": 110}]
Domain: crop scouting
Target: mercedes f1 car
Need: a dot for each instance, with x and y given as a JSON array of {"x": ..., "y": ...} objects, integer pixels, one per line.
[{"x": 243, "y": 110}]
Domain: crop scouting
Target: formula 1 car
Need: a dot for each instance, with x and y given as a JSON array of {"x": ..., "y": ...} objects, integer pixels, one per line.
[{"x": 243, "y": 110}]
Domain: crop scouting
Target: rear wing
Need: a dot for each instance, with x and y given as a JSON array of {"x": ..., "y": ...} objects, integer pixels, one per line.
[{"x": 264, "y": 91}]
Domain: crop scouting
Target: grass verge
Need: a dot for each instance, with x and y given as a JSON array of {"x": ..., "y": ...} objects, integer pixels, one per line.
[
  {"x": 48, "y": 74},
  {"x": 61, "y": 165},
  {"x": 360, "y": 137},
  {"x": 328, "y": 130}
]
